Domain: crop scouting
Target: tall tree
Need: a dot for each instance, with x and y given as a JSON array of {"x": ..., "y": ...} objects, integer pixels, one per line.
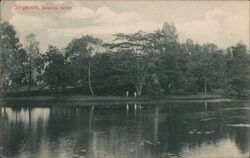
[
  {"x": 10, "y": 51},
  {"x": 238, "y": 71},
  {"x": 167, "y": 56},
  {"x": 57, "y": 71},
  {"x": 205, "y": 66},
  {"x": 79, "y": 53},
  {"x": 136, "y": 59},
  {"x": 169, "y": 33},
  {"x": 104, "y": 74},
  {"x": 171, "y": 69},
  {"x": 32, "y": 49}
]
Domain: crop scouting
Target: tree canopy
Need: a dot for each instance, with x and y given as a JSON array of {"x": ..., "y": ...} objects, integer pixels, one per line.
[{"x": 148, "y": 63}]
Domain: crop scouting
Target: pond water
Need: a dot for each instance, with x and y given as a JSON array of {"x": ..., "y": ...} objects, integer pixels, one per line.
[{"x": 126, "y": 131}]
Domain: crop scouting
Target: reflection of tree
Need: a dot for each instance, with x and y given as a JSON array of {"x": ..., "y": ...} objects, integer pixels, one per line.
[
  {"x": 29, "y": 118},
  {"x": 108, "y": 130},
  {"x": 54, "y": 128},
  {"x": 127, "y": 109},
  {"x": 18, "y": 134},
  {"x": 135, "y": 109},
  {"x": 241, "y": 139},
  {"x": 17, "y": 110},
  {"x": 205, "y": 104},
  {"x": 15, "y": 136},
  {"x": 117, "y": 135},
  {"x": 156, "y": 124},
  {"x": 203, "y": 119},
  {"x": 90, "y": 118},
  {"x": 174, "y": 131},
  {"x": 2, "y": 129},
  {"x": 90, "y": 127}
]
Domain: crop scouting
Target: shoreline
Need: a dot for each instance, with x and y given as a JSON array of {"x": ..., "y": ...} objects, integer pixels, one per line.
[{"x": 110, "y": 100}]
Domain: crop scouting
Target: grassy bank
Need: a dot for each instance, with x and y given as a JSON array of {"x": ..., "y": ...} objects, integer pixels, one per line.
[{"x": 89, "y": 100}]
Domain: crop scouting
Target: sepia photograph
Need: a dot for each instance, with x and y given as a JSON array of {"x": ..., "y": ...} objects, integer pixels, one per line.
[{"x": 124, "y": 79}]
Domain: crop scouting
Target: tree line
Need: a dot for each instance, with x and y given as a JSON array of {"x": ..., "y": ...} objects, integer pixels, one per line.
[{"x": 148, "y": 63}]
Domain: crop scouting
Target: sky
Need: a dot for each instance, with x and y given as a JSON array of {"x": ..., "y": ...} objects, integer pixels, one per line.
[{"x": 224, "y": 23}]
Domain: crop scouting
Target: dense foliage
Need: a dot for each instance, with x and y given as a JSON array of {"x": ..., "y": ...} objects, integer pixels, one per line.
[{"x": 154, "y": 63}]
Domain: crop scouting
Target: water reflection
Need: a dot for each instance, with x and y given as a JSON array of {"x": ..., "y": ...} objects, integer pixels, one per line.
[{"x": 123, "y": 131}]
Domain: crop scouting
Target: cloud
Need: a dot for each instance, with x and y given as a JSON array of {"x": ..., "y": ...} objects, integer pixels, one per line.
[
  {"x": 218, "y": 26},
  {"x": 58, "y": 27},
  {"x": 51, "y": 26},
  {"x": 80, "y": 13},
  {"x": 25, "y": 25},
  {"x": 106, "y": 21}
]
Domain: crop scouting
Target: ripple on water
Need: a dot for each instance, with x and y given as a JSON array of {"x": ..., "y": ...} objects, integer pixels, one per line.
[{"x": 239, "y": 125}]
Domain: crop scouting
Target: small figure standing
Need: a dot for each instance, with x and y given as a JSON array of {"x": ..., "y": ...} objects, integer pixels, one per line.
[
  {"x": 135, "y": 94},
  {"x": 127, "y": 93}
]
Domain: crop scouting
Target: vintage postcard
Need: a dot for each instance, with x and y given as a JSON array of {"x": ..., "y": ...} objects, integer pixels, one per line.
[{"x": 124, "y": 79}]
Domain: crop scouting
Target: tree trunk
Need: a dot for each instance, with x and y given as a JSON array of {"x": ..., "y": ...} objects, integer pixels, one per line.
[
  {"x": 89, "y": 77},
  {"x": 139, "y": 89},
  {"x": 205, "y": 85},
  {"x": 29, "y": 119},
  {"x": 169, "y": 87},
  {"x": 30, "y": 76}
]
